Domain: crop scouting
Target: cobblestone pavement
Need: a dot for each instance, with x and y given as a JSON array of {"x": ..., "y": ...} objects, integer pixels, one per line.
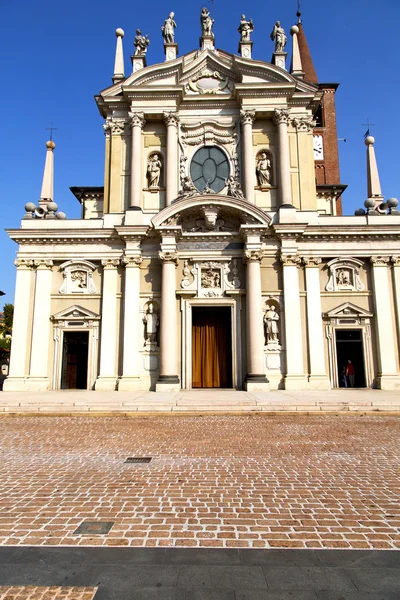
[
  {"x": 257, "y": 481},
  {"x": 32, "y": 592}
]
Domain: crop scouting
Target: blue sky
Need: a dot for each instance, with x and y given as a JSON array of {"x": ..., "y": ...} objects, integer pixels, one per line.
[{"x": 56, "y": 56}]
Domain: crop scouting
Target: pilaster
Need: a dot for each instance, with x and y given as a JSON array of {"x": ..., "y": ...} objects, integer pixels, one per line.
[
  {"x": 117, "y": 129},
  {"x": 130, "y": 379},
  {"x": 107, "y": 378},
  {"x": 281, "y": 119},
  {"x": 172, "y": 122},
  {"x": 137, "y": 123}
]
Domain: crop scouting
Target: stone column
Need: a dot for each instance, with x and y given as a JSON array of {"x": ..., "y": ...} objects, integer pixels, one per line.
[
  {"x": 247, "y": 118},
  {"x": 281, "y": 119},
  {"x": 171, "y": 120},
  {"x": 107, "y": 378},
  {"x": 137, "y": 123},
  {"x": 130, "y": 379},
  {"x": 15, "y": 381},
  {"x": 318, "y": 378},
  {"x": 295, "y": 378},
  {"x": 388, "y": 377},
  {"x": 39, "y": 368},
  {"x": 168, "y": 380},
  {"x": 256, "y": 380},
  {"x": 396, "y": 285}
]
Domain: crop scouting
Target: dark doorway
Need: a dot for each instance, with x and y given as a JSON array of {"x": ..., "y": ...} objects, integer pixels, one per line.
[
  {"x": 349, "y": 346},
  {"x": 211, "y": 347},
  {"x": 75, "y": 360}
]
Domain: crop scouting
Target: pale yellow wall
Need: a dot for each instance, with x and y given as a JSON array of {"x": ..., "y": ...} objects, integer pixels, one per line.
[{"x": 302, "y": 175}]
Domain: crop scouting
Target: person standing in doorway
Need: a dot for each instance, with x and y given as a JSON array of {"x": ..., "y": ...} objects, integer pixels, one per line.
[{"x": 350, "y": 373}]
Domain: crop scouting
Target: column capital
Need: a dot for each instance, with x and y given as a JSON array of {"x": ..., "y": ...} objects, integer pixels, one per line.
[
  {"x": 132, "y": 261},
  {"x": 247, "y": 117},
  {"x": 23, "y": 264},
  {"x": 281, "y": 115},
  {"x": 137, "y": 119},
  {"x": 42, "y": 264},
  {"x": 304, "y": 124},
  {"x": 114, "y": 127},
  {"x": 252, "y": 256},
  {"x": 395, "y": 260},
  {"x": 312, "y": 261},
  {"x": 171, "y": 118},
  {"x": 380, "y": 261},
  {"x": 290, "y": 260},
  {"x": 168, "y": 257},
  {"x": 110, "y": 263},
  {"x": 107, "y": 128}
]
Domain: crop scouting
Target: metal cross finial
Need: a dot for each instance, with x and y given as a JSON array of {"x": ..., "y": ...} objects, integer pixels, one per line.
[
  {"x": 51, "y": 129},
  {"x": 298, "y": 14},
  {"x": 369, "y": 125}
]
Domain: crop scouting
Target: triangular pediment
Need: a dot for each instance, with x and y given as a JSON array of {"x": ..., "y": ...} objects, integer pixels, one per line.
[
  {"x": 348, "y": 310},
  {"x": 75, "y": 312}
]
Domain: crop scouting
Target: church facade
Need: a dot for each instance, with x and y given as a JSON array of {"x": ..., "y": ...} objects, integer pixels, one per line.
[{"x": 216, "y": 254}]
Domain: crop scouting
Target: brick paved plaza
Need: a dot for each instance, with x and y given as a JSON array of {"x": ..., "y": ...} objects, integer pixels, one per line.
[{"x": 286, "y": 481}]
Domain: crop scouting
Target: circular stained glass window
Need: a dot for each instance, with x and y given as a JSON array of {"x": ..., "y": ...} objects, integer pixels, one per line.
[{"x": 209, "y": 166}]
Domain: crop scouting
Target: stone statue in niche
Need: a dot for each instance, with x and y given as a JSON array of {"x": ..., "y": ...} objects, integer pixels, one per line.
[
  {"x": 210, "y": 278},
  {"x": 279, "y": 37},
  {"x": 151, "y": 322},
  {"x": 154, "y": 167},
  {"x": 263, "y": 170},
  {"x": 245, "y": 29},
  {"x": 234, "y": 189},
  {"x": 168, "y": 29},
  {"x": 206, "y": 23},
  {"x": 343, "y": 278},
  {"x": 141, "y": 43},
  {"x": 271, "y": 319},
  {"x": 79, "y": 278}
]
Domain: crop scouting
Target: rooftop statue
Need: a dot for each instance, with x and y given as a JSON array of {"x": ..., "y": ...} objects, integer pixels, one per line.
[
  {"x": 206, "y": 23},
  {"x": 279, "y": 37},
  {"x": 245, "y": 29},
  {"x": 141, "y": 42},
  {"x": 168, "y": 29}
]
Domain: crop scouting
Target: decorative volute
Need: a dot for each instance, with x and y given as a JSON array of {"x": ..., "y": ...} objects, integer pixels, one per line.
[{"x": 119, "y": 70}]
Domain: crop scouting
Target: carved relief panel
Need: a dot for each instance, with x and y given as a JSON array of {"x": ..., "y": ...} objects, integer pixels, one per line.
[
  {"x": 210, "y": 279},
  {"x": 77, "y": 277},
  {"x": 344, "y": 275}
]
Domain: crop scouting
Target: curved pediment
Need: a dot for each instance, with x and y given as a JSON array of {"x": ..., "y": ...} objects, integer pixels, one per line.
[{"x": 211, "y": 212}]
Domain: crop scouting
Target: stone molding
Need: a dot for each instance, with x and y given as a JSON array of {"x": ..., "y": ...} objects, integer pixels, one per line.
[
  {"x": 168, "y": 257},
  {"x": 42, "y": 264},
  {"x": 23, "y": 263},
  {"x": 247, "y": 117},
  {"x": 290, "y": 260},
  {"x": 132, "y": 261},
  {"x": 396, "y": 261},
  {"x": 110, "y": 263},
  {"x": 312, "y": 261},
  {"x": 171, "y": 118},
  {"x": 281, "y": 116},
  {"x": 380, "y": 261},
  {"x": 137, "y": 119},
  {"x": 253, "y": 256}
]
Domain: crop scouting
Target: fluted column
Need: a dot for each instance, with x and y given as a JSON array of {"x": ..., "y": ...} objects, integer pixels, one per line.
[
  {"x": 247, "y": 118},
  {"x": 255, "y": 379},
  {"x": 130, "y": 379},
  {"x": 388, "y": 377},
  {"x": 168, "y": 379},
  {"x": 171, "y": 120},
  {"x": 39, "y": 368},
  {"x": 22, "y": 307},
  {"x": 281, "y": 119},
  {"x": 295, "y": 377},
  {"x": 318, "y": 378},
  {"x": 108, "y": 339},
  {"x": 137, "y": 123}
]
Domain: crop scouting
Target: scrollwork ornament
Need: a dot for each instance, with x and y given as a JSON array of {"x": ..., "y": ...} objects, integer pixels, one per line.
[
  {"x": 247, "y": 117},
  {"x": 117, "y": 127},
  {"x": 168, "y": 257},
  {"x": 290, "y": 260},
  {"x": 137, "y": 119},
  {"x": 42, "y": 264},
  {"x": 171, "y": 118},
  {"x": 281, "y": 116},
  {"x": 312, "y": 261},
  {"x": 132, "y": 261},
  {"x": 253, "y": 256},
  {"x": 110, "y": 263},
  {"x": 107, "y": 128},
  {"x": 23, "y": 263},
  {"x": 304, "y": 124},
  {"x": 380, "y": 261},
  {"x": 396, "y": 261}
]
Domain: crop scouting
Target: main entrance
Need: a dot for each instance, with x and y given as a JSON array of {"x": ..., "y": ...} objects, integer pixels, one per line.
[
  {"x": 211, "y": 347},
  {"x": 349, "y": 346},
  {"x": 75, "y": 360}
]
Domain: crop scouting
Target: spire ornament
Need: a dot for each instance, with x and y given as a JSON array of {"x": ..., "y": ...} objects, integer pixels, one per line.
[{"x": 119, "y": 70}]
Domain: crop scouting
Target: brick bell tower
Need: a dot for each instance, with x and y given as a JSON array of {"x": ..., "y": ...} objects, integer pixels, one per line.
[{"x": 326, "y": 151}]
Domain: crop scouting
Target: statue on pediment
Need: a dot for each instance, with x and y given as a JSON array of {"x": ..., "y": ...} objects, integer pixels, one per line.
[
  {"x": 245, "y": 29},
  {"x": 206, "y": 23},
  {"x": 234, "y": 190},
  {"x": 141, "y": 43},
  {"x": 279, "y": 37},
  {"x": 168, "y": 29}
]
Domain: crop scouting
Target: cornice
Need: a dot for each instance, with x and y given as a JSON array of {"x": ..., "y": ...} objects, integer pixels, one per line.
[{"x": 48, "y": 236}]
